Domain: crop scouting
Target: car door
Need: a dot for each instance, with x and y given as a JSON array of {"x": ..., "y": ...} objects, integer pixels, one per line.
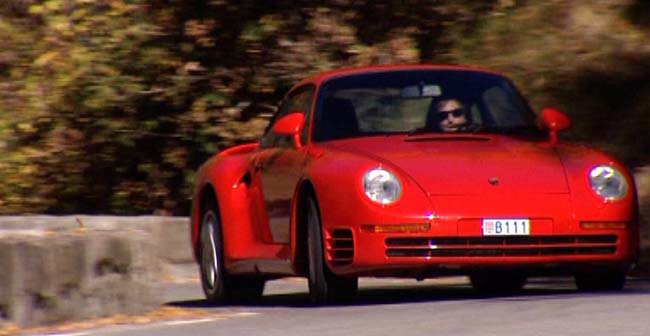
[{"x": 278, "y": 167}]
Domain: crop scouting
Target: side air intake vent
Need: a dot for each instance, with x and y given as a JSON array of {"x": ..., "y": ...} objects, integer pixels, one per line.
[{"x": 339, "y": 246}]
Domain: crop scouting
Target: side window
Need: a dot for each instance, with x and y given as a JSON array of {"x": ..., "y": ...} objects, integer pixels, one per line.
[{"x": 298, "y": 100}]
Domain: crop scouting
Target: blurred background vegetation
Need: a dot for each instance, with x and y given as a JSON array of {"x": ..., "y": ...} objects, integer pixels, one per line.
[{"x": 109, "y": 106}]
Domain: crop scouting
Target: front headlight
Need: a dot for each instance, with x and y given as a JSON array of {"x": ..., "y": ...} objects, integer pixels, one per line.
[
  {"x": 381, "y": 186},
  {"x": 608, "y": 182}
]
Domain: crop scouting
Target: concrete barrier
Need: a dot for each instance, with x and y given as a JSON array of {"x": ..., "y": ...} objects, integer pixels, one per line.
[
  {"x": 171, "y": 234},
  {"x": 59, "y": 268}
]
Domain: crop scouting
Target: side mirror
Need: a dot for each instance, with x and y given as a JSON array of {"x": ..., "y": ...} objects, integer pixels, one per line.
[
  {"x": 291, "y": 125},
  {"x": 554, "y": 120}
]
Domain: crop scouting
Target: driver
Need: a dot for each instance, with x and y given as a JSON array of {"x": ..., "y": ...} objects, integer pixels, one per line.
[{"x": 451, "y": 115}]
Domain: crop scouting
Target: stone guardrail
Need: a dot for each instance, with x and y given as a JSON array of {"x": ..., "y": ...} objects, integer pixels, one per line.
[{"x": 59, "y": 268}]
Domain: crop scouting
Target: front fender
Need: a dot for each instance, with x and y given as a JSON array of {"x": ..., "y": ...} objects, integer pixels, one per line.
[
  {"x": 577, "y": 162},
  {"x": 337, "y": 180},
  {"x": 587, "y": 205}
]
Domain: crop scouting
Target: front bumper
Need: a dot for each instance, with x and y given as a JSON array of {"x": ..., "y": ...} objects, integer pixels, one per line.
[
  {"x": 453, "y": 242},
  {"x": 352, "y": 251}
]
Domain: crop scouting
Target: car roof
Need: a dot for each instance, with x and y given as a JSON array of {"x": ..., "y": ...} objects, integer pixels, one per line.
[{"x": 326, "y": 75}]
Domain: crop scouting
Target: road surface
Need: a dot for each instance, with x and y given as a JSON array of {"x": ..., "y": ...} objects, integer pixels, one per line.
[{"x": 547, "y": 306}]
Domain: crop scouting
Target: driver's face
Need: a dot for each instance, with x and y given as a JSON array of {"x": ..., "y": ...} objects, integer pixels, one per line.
[{"x": 451, "y": 116}]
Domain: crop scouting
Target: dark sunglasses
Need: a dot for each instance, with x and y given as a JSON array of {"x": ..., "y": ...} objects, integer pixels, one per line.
[{"x": 456, "y": 113}]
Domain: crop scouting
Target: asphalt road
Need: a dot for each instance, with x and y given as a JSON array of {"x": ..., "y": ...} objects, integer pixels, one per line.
[{"x": 547, "y": 306}]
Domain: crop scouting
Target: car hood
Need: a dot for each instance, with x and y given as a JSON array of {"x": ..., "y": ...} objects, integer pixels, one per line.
[{"x": 467, "y": 164}]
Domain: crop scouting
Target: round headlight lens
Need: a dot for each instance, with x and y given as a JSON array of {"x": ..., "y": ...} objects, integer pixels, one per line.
[
  {"x": 608, "y": 182},
  {"x": 381, "y": 186}
]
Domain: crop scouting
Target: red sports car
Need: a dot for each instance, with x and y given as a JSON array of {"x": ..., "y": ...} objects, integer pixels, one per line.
[{"x": 410, "y": 171}]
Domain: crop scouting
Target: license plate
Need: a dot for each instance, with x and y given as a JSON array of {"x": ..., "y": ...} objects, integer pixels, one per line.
[{"x": 506, "y": 227}]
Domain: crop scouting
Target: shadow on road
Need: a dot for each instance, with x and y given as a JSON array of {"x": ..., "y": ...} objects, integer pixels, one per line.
[{"x": 401, "y": 293}]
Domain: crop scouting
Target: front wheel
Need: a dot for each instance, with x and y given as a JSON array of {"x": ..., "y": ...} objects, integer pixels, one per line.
[{"x": 324, "y": 286}]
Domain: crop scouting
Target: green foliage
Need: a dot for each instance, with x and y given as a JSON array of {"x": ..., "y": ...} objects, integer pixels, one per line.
[{"x": 109, "y": 106}]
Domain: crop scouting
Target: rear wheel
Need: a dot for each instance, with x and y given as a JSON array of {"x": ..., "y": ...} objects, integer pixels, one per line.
[
  {"x": 600, "y": 280},
  {"x": 220, "y": 287},
  {"x": 212, "y": 271},
  {"x": 324, "y": 286},
  {"x": 498, "y": 282}
]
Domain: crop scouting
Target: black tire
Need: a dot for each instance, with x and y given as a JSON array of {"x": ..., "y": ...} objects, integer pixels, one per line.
[
  {"x": 597, "y": 280},
  {"x": 493, "y": 282},
  {"x": 324, "y": 286},
  {"x": 218, "y": 286}
]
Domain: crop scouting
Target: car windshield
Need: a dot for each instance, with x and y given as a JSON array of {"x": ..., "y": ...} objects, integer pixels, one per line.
[{"x": 420, "y": 101}]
